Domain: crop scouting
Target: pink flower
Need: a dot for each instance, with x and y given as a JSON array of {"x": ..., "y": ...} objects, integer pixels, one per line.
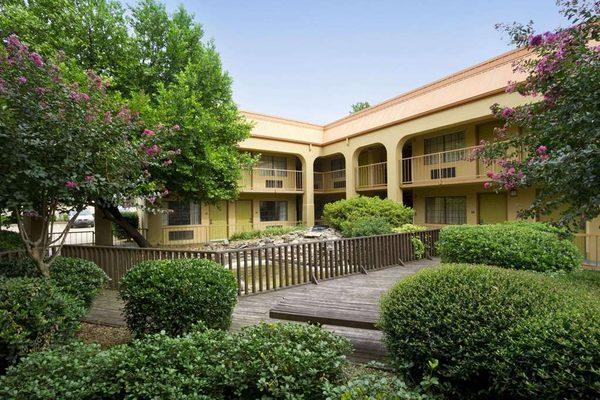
[
  {"x": 541, "y": 150},
  {"x": 490, "y": 174},
  {"x": 14, "y": 41},
  {"x": 148, "y": 132},
  {"x": 89, "y": 178},
  {"x": 71, "y": 184},
  {"x": 165, "y": 193},
  {"x": 511, "y": 171},
  {"x": 176, "y": 127},
  {"x": 510, "y": 88},
  {"x": 168, "y": 161},
  {"x": 2, "y": 85},
  {"x": 507, "y": 112},
  {"x": 487, "y": 185},
  {"x": 536, "y": 40},
  {"x": 152, "y": 199},
  {"x": 107, "y": 117},
  {"x": 152, "y": 150},
  {"x": 37, "y": 59},
  {"x": 22, "y": 80}
]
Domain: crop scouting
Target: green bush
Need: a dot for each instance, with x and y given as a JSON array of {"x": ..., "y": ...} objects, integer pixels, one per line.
[
  {"x": 267, "y": 232},
  {"x": 517, "y": 245},
  {"x": 366, "y": 226},
  {"x": 173, "y": 295},
  {"x": 336, "y": 213},
  {"x": 495, "y": 333},
  {"x": 373, "y": 386},
  {"x": 79, "y": 278},
  {"x": 409, "y": 228},
  {"x": 10, "y": 241},
  {"x": 34, "y": 315},
  {"x": 267, "y": 361},
  {"x": 132, "y": 218}
]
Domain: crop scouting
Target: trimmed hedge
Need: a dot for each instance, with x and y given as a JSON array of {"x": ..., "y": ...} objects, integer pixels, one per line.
[
  {"x": 342, "y": 211},
  {"x": 265, "y": 361},
  {"x": 76, "y": 277},
  {"x": 529, "y": 246},
  {"x": 496, "y": 333},
  {"x": 34, "y": 314},
  {"x": 366, "y": 226},
  {"x": 173, "y": 295},
  {"x": 10, "y": 241}
]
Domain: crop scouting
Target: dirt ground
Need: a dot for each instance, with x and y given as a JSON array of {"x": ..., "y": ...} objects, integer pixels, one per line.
[{"x": 105, "y": 336}]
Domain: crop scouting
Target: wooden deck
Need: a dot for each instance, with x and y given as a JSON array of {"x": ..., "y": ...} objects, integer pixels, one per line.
[{"x": 358, "y": 292}]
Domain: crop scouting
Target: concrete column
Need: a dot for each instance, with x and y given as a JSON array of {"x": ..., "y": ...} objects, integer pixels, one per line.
[
  {"x": 102, "y": 229},
  {"x": 308, "y": 197},
  {"x": 350, "y": 175},
  {"x": 393, "y": 174},
  {"x": 155, "y": 233}
]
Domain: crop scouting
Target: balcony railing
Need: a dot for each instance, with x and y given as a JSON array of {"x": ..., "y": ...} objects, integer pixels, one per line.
[
  {"x": 453, "y": 166},
  {"x": 330, "y": 181},
  {"x": 267, "y": 180},
  {"x": 371, "y": 176}
]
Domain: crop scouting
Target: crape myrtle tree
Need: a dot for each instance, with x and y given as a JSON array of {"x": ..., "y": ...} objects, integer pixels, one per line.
[
  {"x": 65, "y": 146},
  {"x": 558, "y": 146},
  {"x": 161, "y": 66}
]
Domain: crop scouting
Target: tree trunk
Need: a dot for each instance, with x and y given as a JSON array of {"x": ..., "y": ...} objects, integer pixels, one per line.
[{"x": 113, "y": 214}]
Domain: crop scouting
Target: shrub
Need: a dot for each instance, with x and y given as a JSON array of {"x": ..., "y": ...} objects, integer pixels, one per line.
[
  {"x": 173, "y": 295},
  {"x": 34, "y": 314},
  {"x": 132, "y": 218},
  {"x": 336, "y": 213},
  {"x": 517, "y": 246},
  {"x": 266, "y": 361},
  {"x": 495, "y": 333},
  {"x": 366, "y": 226},
  {"x": 409, "y": 228},
  {"x": 267, "y": 232},
  {"x": 79, "y": 278},
  {"x": 374, "y": 386},
  {"x": 10, "y": 241}
]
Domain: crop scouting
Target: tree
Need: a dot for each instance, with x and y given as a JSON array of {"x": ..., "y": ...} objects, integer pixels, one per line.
[
  {"x": 560, "y": 127},
  {"x": 65, "y": 146},
  {"x": 361, "y": 105}
]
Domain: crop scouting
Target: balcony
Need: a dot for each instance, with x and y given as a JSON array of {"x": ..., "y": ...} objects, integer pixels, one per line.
[
  {"x": 264, "y": 180},
  {"x": 447, "y": 167},
  {"x": 371, "y": 176},
  {"x": 330, "y": 181}
]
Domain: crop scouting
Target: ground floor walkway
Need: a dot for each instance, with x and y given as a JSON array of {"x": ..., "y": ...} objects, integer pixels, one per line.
[{"x": 357, "y": 289}]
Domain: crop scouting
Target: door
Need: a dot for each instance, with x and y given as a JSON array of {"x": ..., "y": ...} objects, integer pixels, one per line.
[
  {"x": 217, "y": 229},
  {"x": 243, "y": 216},
  {"x": 492, "y": 208}
]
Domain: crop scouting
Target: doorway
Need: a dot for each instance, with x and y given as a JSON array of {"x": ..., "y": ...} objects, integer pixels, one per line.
[
  {"x": 217, "y": 229},
  {"x": 492, "y": 208}
]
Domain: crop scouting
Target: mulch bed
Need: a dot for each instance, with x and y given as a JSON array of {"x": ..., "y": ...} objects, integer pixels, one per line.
[{"x": 105, "y": 336}]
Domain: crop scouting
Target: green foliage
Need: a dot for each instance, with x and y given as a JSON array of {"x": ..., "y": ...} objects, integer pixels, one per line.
[
  {"x": 361, "y": 105},
  {"x": 374, "y": 386},
  {"x": 409, "y": 228},
  {"x": 336, "y": 213},
  {"x": 34, "y": 315},
  {"x": 418, "y": 246},
  {"x": 132, "y": 219},
  {"x": 267, "y": 232},
  {"x": 79, "y": 278},
  {"x": 495, "y": 333},
  {"x": 10, "y": 241},
  {"x": 535, "y": 247},
  {"x": 559, "y": 130},
  {"x": 366, "y": 226},
  {"x": 265, "y": 361},
  {"x": 173, "y": 295}
]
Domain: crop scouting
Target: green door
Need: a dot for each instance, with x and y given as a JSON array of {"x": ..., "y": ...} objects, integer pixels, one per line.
[
  {"x": 218, "y": 221},
  {"x": 492, "y": 208},
  {"x": 243, "y": 216}
]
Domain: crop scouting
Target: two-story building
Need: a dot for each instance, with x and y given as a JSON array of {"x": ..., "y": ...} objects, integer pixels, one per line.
[{"x": 414, "y": 148}]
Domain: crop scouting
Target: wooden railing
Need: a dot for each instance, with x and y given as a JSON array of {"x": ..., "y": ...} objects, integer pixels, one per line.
[
  {"x": 198, "y": 234},
  {"x": 267, "y": 180},
  {"x": 589, "y": 246},
  {"x": 371, "y": 176},
  {"x": 330, "y": 181},
  {"x": 266, "y": 268}
]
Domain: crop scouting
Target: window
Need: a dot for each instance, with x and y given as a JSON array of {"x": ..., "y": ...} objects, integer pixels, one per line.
[
  {"x": 182, "y": 213},
  {"x": 273, "y": 166},
  {"x": 337, "y": 164},
  {"x": 450, "y": 210},
  {"x": 445, "y": 143},
  {"x": 273, "y": 210}
]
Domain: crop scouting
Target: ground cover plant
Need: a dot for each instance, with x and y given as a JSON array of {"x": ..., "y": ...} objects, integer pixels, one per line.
[{"x": 267, "y": 232}]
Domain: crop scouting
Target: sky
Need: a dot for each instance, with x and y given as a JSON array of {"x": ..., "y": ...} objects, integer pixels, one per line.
[{"x": 311, "y": 60}]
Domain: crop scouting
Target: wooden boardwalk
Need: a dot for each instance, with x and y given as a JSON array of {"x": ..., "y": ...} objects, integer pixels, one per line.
[{"x": 356, "y": 290}]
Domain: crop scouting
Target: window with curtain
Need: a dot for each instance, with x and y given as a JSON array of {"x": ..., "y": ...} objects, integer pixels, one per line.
[
  {"x": 450, "y": 210},
  {"x": 273, "y": 210},
  {"x": 273, "y": 166},
  {"x": 445, "y": 143}
]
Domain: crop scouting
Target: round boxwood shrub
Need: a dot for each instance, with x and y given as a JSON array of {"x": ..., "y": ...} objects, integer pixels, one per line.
[
  {"x": 34, "y": 314},
  {"x": 495, "y": 333},
  {"x": 173, "y": 295},
  {"x": 79, "y": 278},
  {"x": 289, "y": 361},
  {"x": 527, "y": 246},
  {"x": 337, "y": 213}
]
